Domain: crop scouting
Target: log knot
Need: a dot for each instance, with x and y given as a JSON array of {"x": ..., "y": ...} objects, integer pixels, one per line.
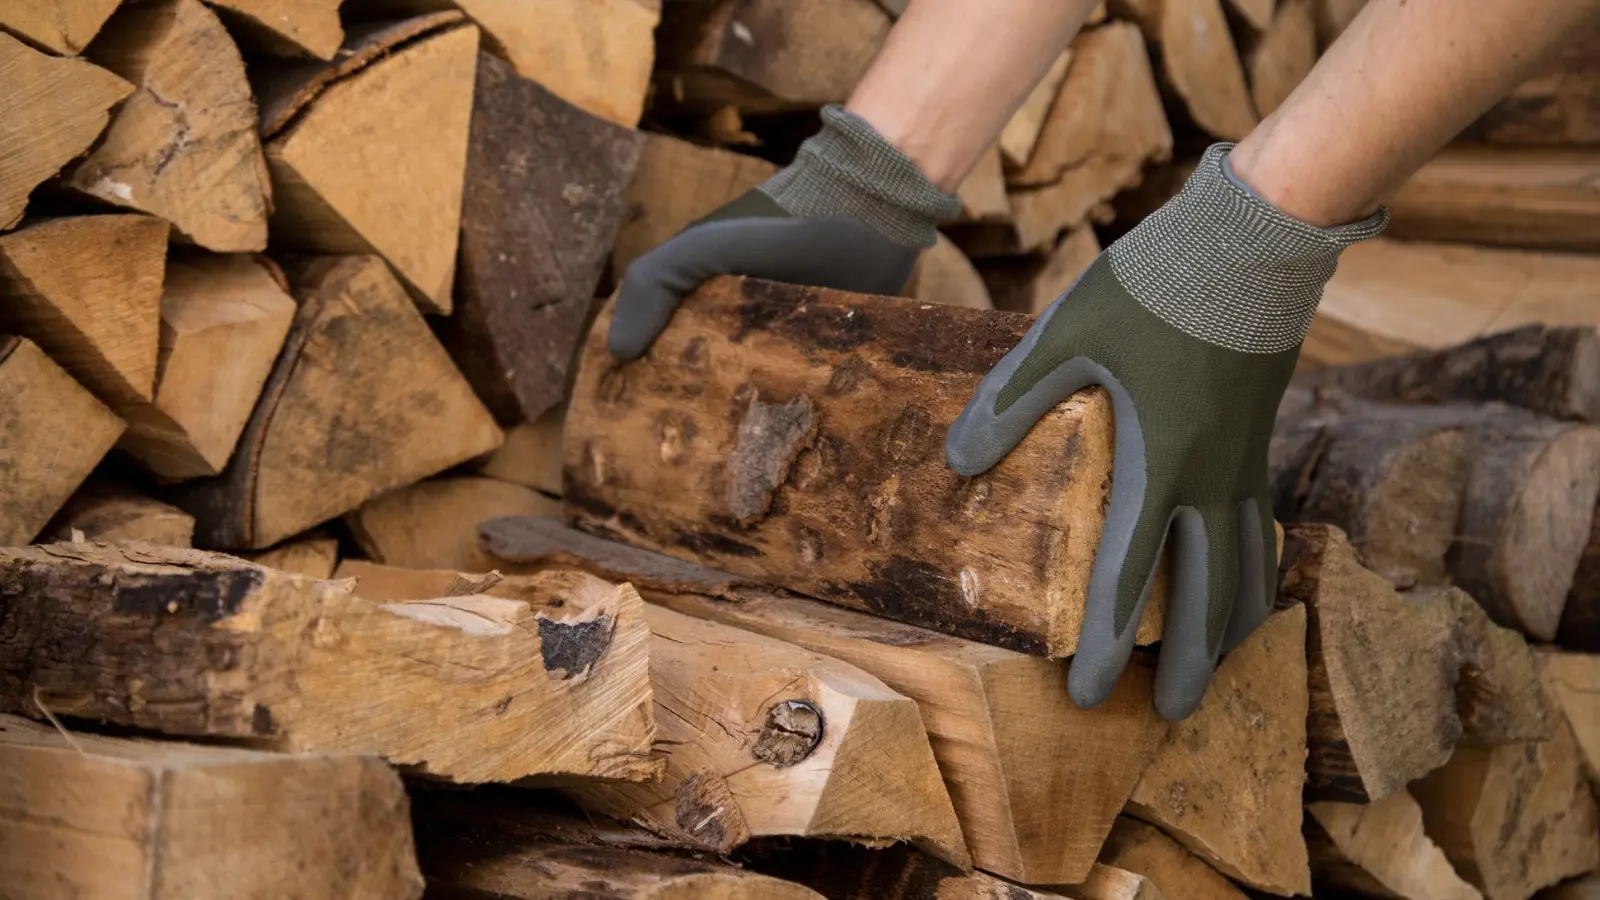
[{"x": 793, "y": 729}]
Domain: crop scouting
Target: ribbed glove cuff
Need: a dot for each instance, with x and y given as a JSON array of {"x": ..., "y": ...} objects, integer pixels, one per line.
[
  {"x": 1221, "y": 264},
  {"x": 848, "y": 169}
]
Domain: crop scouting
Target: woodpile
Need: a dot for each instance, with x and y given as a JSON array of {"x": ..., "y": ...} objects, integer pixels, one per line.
[{"x": 339, "y": 560}]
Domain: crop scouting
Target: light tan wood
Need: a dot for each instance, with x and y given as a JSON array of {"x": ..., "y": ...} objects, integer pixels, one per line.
[
  {"x": 1199, "y": 62},
  {"x": 1143, "y": 849},
  {"x": 434, "y": 524},
  {"x": 1525, "y": 197},
  {"x": 945, "y": 275},
  {"x": 1515, "y": 818},
  {"x": 223, "y": 321},
  {"x": 127, "y": 819},
  {"x": 184, "y": 146},
  {"x": 983, "y": 191},
  {"x": 359, "y": 364},
  {"x": 54, "y": 433},
  {"x": 1574, "y": 679},
  {"x": 1380, "y": 850},
  {"x": 1022, "y": 130},
  {"x": 675, "y": 184},
  {"x": 1111, "y": 883},
  {"x": 51, "y": 111},
  {"x": 765, "y": 738},
  {"x": 88, "y": 290},
  {"x": 1283, "y": 55},
  {"x": 1036, "y": 781},
  {"x": 288, "y": 27},
  {"x": 1257, "y": 15},
  {"x": 314, "y": 557},
  {"x": 363, "y": 170},
  {"x": 63, "y": 27},
  {"x": 1585, "y": 887},
  {"x": 531, "y": 454},
  {"x": 1333, "y": 17},
  {"x": 1227, "y": 782},
  {"x": 1003, "y": 558},
  {"x": 107, "y": 511},
  {"x": 211, "y": 645},
  {"x": 1031, "y": 284},
  {"x": 1392, "y": 297}
]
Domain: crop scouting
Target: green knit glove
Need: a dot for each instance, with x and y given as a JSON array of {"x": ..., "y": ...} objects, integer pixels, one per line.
[
  {"x": 850, "y": 213},
  {"x": 1192, "y": 322}
]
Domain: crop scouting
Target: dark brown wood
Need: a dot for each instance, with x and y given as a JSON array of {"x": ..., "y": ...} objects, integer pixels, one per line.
[
  {"x": 1550, "y": 370},
  {"x": 841, "y": 871},
  {"x": 1580, "y": 621},
  {"x": 543, "y": 199},
  {"x": 1559, "y": 106}
]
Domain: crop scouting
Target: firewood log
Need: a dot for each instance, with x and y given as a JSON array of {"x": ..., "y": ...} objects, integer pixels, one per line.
[
  {"x": 184, "y": 146},
  {"x": 1036, "y": 782},
  {"x": 944, "y": 275},
  {"x": 983, "y": 191},
  {"x": 105, "y": 510},
  {"x": 312, "y": 556},
  {"x": 63, "y": 27},
  {"x": 1580, "y": 621},
  {"x": 1574, "y": 679},
  {"x": 1558, "y": 106},
  {"x": 828, "y": 477},
  {"x": 51, "y": 111},
  {"x": 1021, "y": 132},
  {"x": 285, "y": 27},
  {"x": 1282, "y": 56},
  {"x": 841, "y": 871},
  {"x": 1198, "y": 61},
  {"x": 534, "y": 238},
  {"x": 531, "y": 454},
  {"x": 1029, "y": 284},
  {"x": 191, "y": 643},
  {"x": 1144, "y": 850},
  {"x": 55, "y": 433},
  {"x": 93, "y": 816},
  {"x": 360, "y": 365},
  {"x": 433, "y": 524},
  {"x": 1541, "y": 198},
  {"x": 1380, "y": 850}
]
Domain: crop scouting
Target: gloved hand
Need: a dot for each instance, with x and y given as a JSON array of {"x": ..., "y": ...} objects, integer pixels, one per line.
[
  {"x": 1192, "y": 322},
  {"x": 850, "y": 213}
]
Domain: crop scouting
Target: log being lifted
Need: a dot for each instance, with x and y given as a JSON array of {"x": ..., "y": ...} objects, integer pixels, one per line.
[
  {"x": 91, "y": 816},
  {"x": 191, "y": 643},
  {"x": 797, "y": 435},
  {"x": 1032, "y": 808}
]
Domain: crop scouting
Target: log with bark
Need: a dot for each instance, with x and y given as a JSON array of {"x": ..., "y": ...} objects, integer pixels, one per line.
[
  {"x": 1542, "y": 198},
  {"x": 1036, "y": 782},
  {"x": 360, "y": 365},
  {"x": 543, "y": 197},
  {"x": 191, "y": 643},
  {"x": 108, "y": 511},
  {"x": 531, "y": 454},
  {"x": 433, "y": 524},
  {"x": 51, "y": 111},
  {"x": 92, "y": 816},
  {"x": 1380, "y": 850},
  {"x": 1198, "y": 61},
  {"x": 797, "y": 434},
  {"x": 1397, "y": 681},
  {"x": 1144, "y": 850},
  {"x": 54, "y": 433},
  {"x": 184, "y": 146},
  {"x": 64, "y": 27}
]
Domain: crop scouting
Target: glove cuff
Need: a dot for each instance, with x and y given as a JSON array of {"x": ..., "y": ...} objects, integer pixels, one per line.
[
  {"x": 848, "y": 169},
  {"x": 1221, "y": 264}
]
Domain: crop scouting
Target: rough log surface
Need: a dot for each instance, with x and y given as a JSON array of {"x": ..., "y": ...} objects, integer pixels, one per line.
[
  {"x": 1380, "y": 850},
  {"x": 106, "y": 511},
  {"x": 1144, "y": 850}
]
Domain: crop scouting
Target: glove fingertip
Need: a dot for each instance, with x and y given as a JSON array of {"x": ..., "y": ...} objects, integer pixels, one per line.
[
  {"x": 1090, "y": 684},
  {"x": 1177, "y": 702}
]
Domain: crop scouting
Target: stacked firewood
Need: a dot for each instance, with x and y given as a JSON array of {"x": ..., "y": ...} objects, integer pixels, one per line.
[{"x": 338, "y": 558}]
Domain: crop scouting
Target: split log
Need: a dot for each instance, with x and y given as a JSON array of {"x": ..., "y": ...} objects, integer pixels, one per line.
[
  {"x": 51, "y": 111},
  {"x": 1550, "y": 370},
  {"x": 286, "y": 27},
  {"x": 184, "y": 146},
  {"x": 1397, "y": 682},
  {"x": 1030, "y": 284},
  {"x": 88, "y": 290},
  {"x": 531, "y": 454},
  {"x": 55, "y": 432},
  {"x": 534, "y": 238},
  {"x": 1256, "y": 15},
  {"x": 1558, "y": 106},
  {"x": 1380, "y": 850},
  {"x": 91, "y": 816},
  {"x": 1036, "y": 781},
  {"x": 434, "y": 524},
  {"x": 1580, "y": 621},
  {"x": 1525, "y": 197},
  {"x": 223, "y": 321},
  {"x": 983, "y": 191},
  {"x": 1144, "y": 850},
  {"x": 495, "y": 847},
  {"x": 834, "y": 450},
  {"x": 1198, "y": 61},
  {"x": 1283, "y": 55},
  {"x": 841, "y": 871},
  {"x": 1515, "y": 818},
  {"x": 766, "y": 55},
  {"x": 187, "y": 642},
  {"x": 1586, "y": 887},
  {"x": 314, "y": 557},
  {"x": 764, "y": 738},
  {"x": 375, "y": 160},
  {"x": 1333, "y": 17},
  {"x": 944, "y": 275},
  {"x": 1227, "y": 782},
  {"x": 677, "y": 183},
  {"x": 1021, "y": 132},
  {"x": 109, "y": 512},
  {"x": 63, "y": 27},
  {"x": 359, "y": 364},
  {"x": 1574, "y": 679},
  {"x": 1110, "y": 883}
]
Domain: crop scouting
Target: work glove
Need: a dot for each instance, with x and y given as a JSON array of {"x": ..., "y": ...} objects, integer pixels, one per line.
[
  {"x": 851, "y": 213},
  {"x": 1192, "y": 322}
]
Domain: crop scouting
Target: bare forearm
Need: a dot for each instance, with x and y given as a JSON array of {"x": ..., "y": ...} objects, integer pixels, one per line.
[
  {"x": 953, "y": 71},
  {"x": 1406, "y": 77}
]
